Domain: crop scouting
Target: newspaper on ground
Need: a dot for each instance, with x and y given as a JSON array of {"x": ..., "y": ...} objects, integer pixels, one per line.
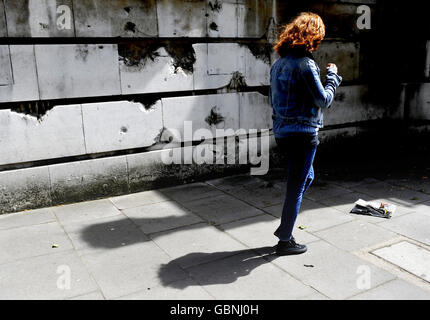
[{"x": 375, "y": 209}]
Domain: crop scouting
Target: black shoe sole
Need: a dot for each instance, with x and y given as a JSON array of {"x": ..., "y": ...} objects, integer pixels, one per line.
[{"x": 290, "y": 253}]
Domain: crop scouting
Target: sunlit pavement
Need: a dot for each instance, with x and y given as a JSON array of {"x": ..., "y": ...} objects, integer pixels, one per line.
[{"x": 214, "y": 240}]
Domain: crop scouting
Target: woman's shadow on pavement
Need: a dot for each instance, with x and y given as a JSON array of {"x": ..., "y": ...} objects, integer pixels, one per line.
[{"x": 216, "y": 268}]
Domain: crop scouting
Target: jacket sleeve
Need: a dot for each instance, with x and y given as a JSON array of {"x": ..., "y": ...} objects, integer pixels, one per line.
[{"x": 322, "y": 96}]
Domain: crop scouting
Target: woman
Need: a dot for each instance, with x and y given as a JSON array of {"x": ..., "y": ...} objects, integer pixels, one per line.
[{"x": 298, "y": 98}]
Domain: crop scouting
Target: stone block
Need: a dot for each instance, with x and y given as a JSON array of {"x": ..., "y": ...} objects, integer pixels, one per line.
[
  {"x": 112, "y": 18},
  {"x": 181, "y": 18},
  {"x": 83, "y": 70},
  {"x": 89, "y": 179},
  {"x": 121, "y": 125},
  {"x": 6, "y": 77},
  {"x": 24, "y": 86},
  {"x": 24, "y": 138},
  {"x": 255, "y": 111},
  {"x": 48, "y": 18},
  {"x": 24, "y": 189},
  {"x": 210, "y": 112},
  {"x": 346, "y": 55},
  {"x": 351, "y": 105},
  {"x": 254, "y": 17},
  {"x": 3, "y": 29},
  {"x": 147, "y": 75},
  {"x": 222, "y": 18}
]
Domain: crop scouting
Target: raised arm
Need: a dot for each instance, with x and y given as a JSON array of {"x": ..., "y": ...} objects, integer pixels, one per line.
[{"x": 322, "y": 96}]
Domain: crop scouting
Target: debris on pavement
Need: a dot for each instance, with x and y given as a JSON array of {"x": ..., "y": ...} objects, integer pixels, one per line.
[{"x": 380, "y": 210}]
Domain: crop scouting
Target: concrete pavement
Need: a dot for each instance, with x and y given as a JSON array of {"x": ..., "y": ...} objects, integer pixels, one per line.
[{"x": 214, "y": 240}]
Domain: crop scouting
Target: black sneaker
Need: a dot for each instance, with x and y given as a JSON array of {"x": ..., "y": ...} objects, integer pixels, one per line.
[{"x": 286, "y": 248}]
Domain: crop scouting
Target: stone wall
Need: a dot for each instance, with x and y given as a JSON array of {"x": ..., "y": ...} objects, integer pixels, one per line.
[{"x": 90, "y": 90}]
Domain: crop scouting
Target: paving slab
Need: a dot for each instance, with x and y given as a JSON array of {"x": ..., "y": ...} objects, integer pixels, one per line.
[
  {"x": 187, "y": 289},
  {"x": 26, "y": 218},
  {"x": 356, "y": 235},
  {"x": 408, "y": 256},
  {"x": 321, "y": 218},
  {"x": 37, "y": 278},
  {"x": 258, "y": 232},
  {"x": 324, "y": 190},
  {"x": 415, "y": 225},
  {"x": 157, "y": 217},
  {"x": 233, "y": 181},
  {"x": 259, "y": 194},
  {"x": 85, "y": 211},
  {"x": 197, "y": 244},
  {"x": 333, "y": 272},
  {"x": 138, "y": 199},
  {"x": 395, "y": 290},
  {"x": 191, "y": 191},
  {"x": 306, "y": 205},
  {"x": 104, "y": 234},
  {"x": 346, "y": 202},
  {"x": 392, "y": 193},
  {"x": 239, "y": 276},
  {"x": 31, "y": 241},
  {"x": 129, "y": 269},
  {"x": 222, "y": 209}
]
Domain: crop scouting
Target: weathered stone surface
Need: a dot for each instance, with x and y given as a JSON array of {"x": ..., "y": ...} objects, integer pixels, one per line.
[
  {"x": 211, "y": 112},
  {"x": 350, "y": 105},
  {"x": 31, "y": 241},
  {"x": 409, "y": 257},
  {"x": 85, "y": 211},
  {"x": 84, "y": 70},
  {"x": 158, "y": 75},
  {"x": 3, "y": 30},
  {"x": 117, "y": 279},
  {"x": 36, "y": 278},
  {"x": 237, "y": 278},
  {"x": 24, "y": 189},
  {"x": 6, "y": 78},
  {"x": 395, "y": 290},
  {"x": 181, "y": 18},
  {"x": 197, "y": 250},
  {"x": 157, "y": 217},
  {"x": 24, "y": 86},
  {"x": 255, "y": 111},
  {"x": 420, "y": 106},
  {"x": 202, "y": 78},
  {"x": 112, "y": 18},
  {"x": 346, "y": 55},
  {"x": 25, "y": 138},
  {"x": 217, "y": 62},
  {"x": 121, "y": 125},
  {"x": 88, "y": 180},
  {"x": 222, "y": 18},
  {"x": 48, "y": 18},
  {"x": 254, "y": 17}
]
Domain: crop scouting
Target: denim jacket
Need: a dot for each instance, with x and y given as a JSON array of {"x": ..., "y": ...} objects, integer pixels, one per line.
[{"x": 297, "y": 95}]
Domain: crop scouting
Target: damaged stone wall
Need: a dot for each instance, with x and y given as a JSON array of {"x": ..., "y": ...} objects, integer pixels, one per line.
[{"x": 90, "y": 90}]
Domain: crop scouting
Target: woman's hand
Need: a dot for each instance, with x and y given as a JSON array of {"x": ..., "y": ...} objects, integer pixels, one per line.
[{"x": 332, "y": 67}]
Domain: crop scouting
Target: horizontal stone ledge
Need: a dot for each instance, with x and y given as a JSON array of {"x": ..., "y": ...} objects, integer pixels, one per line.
[
  {"x": 135, "y": 18},
  {"x": 91, "y": 179}
]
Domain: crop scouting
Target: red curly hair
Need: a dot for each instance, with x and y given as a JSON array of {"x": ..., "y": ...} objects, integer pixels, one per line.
[{"x": 305, "y": 33}]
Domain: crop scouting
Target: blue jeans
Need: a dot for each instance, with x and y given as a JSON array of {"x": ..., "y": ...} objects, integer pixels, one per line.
[{"x": 298, "y": 153}]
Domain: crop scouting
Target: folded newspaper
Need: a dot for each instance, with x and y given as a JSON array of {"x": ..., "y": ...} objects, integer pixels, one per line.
[{"x": 381, "y": 210}]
